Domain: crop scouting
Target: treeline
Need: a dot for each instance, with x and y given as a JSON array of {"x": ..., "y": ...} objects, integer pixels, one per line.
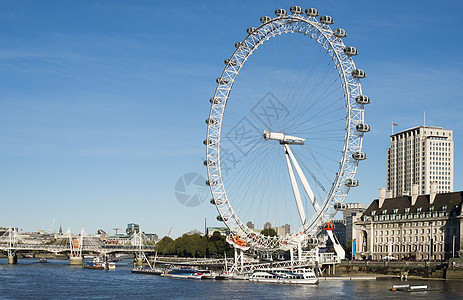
[{"x": 195, "y": 245}]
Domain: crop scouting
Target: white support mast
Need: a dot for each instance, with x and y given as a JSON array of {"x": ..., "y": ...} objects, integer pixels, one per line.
[{"x": 291, "y": 161}]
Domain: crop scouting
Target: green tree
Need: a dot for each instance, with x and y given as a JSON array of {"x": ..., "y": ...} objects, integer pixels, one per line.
[
  {"x": 269, "y": 232},
  {"x": 165, "y": 245},
  {"x": 195, "y": 246}
]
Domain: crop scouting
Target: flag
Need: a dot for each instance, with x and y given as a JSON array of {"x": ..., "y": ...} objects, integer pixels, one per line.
[{"x": 394, "y": 124}]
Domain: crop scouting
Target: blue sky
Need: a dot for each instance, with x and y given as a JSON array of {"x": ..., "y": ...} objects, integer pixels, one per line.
[{"x": 103, "y": 102}]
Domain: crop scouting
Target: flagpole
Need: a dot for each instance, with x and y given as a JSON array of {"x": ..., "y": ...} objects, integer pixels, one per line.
[{"x": 392, "y": 128}]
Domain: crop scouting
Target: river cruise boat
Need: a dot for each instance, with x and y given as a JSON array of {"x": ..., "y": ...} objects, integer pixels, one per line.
[
  {"x": 150, "y": 271},
  {"x": 287, "y": 276},
  {"x": 183, "y": 273},
  {"x": 98, "y": 264}
]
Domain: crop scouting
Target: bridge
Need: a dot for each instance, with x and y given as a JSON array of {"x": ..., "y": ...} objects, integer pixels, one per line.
[
  {"x": 76, "y": 246},
  {"x": 12, "y": 242}
]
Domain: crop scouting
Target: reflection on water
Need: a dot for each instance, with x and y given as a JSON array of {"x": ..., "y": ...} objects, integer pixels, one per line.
[{"x": 57, "y": 280}]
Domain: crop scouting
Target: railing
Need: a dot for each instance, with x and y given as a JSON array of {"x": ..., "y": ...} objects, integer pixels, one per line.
[
  {"x": 11, "y": 241},
  {"x": 309, "y": 260},
  {"x": 64, "y": 248}
]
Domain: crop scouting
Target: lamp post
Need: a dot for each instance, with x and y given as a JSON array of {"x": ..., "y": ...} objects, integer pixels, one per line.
[{"x": 453, "y": 246}]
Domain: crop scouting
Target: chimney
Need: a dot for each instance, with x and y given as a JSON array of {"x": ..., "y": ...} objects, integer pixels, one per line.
[
  {"x": 414, "y": 193},
  {"x": 433, "y": 193},
  {"x": 388, "y": 194},
  {"x": 382, "y": 197}
]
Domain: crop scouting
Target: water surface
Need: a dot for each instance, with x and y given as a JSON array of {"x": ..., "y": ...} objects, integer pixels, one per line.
[{"x": 30, "y": 279}]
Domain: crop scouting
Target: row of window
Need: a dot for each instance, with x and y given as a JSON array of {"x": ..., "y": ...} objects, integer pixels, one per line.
[
  {"x": 417, "y": 231},
  {"x": 407, "y": 210},
  {"x": 410, "y": 239},
  {"x": 412, "y": 248},
  {"x": 421, "y": 215}
]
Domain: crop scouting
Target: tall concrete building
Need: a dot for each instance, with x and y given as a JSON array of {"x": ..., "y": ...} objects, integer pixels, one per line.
[
  {"x": 132, "y": 228},
  {"x": 420, "y": 156}
]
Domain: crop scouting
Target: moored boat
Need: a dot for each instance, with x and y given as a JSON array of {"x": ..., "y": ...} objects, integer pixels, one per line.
[
  {"x": 207, "y": 274},
  {"x": 286, "y": 276},
  {"x": 412, "y": 288},
  {"x": 97, "y": 264},
  {"x": 149, "y": 271},
  {"x": 183, "y": 273},
  {"x": 222, "y": 276}
]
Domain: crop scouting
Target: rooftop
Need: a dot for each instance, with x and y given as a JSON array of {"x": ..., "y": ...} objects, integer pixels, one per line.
[{"x": 443, "y": 202}]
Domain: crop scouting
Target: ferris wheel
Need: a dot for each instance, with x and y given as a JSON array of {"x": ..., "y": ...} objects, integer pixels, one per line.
[{"x": 285, "y": 130}]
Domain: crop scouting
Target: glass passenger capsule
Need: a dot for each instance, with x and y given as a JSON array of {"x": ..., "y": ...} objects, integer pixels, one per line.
[
  {"x": 327, "y": 20},
  {"x": 312, "y": 241},
  {"x": 251, "y": 30},
  {"x": 221, "y": 80},
  {"x": 340, "y": 206},
  {"x": 359, "y": 155},
  {"x": 215, "y": 101},
  {"x": 265, "y": 19},
  {"x": 311, "y": 12},
  {"x": 362, "y": 99},
  {"x": 328, "y": 226},
  {"x": 209, "y": 142},
  {"x": 340, "y": 33},
  {"x": 211, "y": 121},
  {"x": 350, "y": 51},
  {"x": 281, "y": 12},
  {"x": 362, "y": 127},
  {"x": 296, "y": 10},
  {"x": 212, "y": 183},
  {"x": 239, "y": 45},
  {"x": 351, "y": 182},
  {"x": 209, "y": 163},
  {"x": 221, "y": 219},
  {"x": 218, "y": 202},
  {"x": 230, "y": 62},
  {"x": 359, "y": 73}
]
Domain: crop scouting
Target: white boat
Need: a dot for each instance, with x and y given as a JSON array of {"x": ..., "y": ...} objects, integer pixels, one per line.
[
  {"x": 111, "y": 266},
  {"x": 287, "y": 276},
  {"x": 412, "y": 288},
  {"x": 183, "y": 273}
]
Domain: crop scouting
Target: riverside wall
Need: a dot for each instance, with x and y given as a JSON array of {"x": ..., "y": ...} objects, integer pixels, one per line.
[{"x": 438, "y": 270}]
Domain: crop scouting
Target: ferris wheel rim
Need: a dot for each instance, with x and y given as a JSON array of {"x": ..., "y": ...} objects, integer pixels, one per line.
[{"x": 220, "y": 198}]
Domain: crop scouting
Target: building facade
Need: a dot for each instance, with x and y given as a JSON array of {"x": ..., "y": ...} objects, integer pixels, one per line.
[
  {"x": 132, "y": 228},
  {"x": 352, "y": 212},
  {"x": 420, "y": 155},
  {"x": 283, "y": 230},
  {"x": 416, "y": 227}
]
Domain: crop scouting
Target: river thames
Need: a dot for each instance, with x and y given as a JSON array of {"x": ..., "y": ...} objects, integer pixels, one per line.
[{"x": 30, "y": 279}]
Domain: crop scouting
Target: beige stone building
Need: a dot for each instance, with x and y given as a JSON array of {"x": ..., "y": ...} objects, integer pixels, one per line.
[
  {"x": 350, "y": 215},
  {"x": 417, "y": 227},
  {"x": 420, "y": 155}
]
